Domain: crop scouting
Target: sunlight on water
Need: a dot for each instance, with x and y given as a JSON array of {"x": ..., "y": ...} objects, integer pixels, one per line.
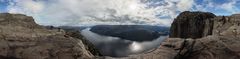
[
  {"x": 135, "y": 47},
  {"x": 114, "y": 46}
]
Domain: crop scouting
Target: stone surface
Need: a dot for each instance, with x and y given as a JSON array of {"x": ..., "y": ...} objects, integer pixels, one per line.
[
  {"x": 192, "y": 25},
  {"x": 227, "y": 25},
  {"x": 222, "y": 44},
  {"x": 211, "y": 47},
  {"x": 22, "y": 38},
  {"x": 88, "y": 45}
]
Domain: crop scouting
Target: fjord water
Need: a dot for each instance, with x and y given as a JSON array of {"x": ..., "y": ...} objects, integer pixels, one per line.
[{"x": 117, "y": 46}]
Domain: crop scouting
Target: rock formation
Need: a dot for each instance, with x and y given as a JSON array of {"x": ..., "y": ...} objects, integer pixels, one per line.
[
  {"x": 222, "y": 44},
  {"x": 192, "y": 25},
  {"x": 227, "y": 25},
  {"x": 22, "y": 38}
]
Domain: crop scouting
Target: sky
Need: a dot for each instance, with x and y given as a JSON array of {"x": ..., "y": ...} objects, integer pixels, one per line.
[{"x": 112, "y": 12}]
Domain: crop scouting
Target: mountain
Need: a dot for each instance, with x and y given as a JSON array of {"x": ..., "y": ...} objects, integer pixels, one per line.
[
  {"x": 22, "y": 38},
  {"x": 131, "y": 32},
  {"x": 192, "y": 25},
  {"x": 73, "y": 27},
  {"x": 206, "y": 36}
]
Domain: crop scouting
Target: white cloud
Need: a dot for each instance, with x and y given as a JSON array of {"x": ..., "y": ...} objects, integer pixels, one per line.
[
  {"x": 230, "y": 6},
  {"x": 26, "y": 6},
  {"x": 86, "y": 12},
  {"x": 185, "y": 5}
]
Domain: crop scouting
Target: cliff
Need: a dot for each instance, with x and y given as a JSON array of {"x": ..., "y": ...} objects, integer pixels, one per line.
[
  {"x": 221, "y": 42},
  {"x": 192, "y": 25},
  {"x": 22, "y": 38}
]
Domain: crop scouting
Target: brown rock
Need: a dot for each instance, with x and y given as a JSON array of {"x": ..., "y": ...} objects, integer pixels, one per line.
[
  {"x": 227, "y": 25},
  {"x": 222, "y": 44},
  {"x": 192, "y": 25},
  {"x": 211, "y": 47},
  {"x": 22, "y": 38}
]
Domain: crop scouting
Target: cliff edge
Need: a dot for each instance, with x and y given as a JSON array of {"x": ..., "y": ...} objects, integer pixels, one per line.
[
  {"x": 192, "y": 25},
  {"x": 22, "y": 38},
  {"x": 206, "y": 37}
]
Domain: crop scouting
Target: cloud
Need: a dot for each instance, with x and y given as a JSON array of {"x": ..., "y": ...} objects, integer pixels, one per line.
[
  {"x": 230, "y": 6},
  {"x": 225, "y": 7},
  {"x": 26, "y": 6},
  {"x": 185, "y": 5},
  {"x": 86, "y": 12}
]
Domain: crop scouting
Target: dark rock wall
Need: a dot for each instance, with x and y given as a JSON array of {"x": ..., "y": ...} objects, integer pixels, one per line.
[
  {"x": 223, "y": 38},
  {"x": 192, "y": 25}
]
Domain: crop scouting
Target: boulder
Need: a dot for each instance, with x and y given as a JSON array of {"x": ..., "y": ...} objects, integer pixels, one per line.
[
  {"x": 222, "y": 41},
  {"x": 192, "y": 25}
]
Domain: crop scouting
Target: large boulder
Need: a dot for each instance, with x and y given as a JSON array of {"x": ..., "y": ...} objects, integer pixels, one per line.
[
  {"x": 22, "y": 38},
  {"x": 223, "y": 43},
  {"x": 192, "y": 25}
]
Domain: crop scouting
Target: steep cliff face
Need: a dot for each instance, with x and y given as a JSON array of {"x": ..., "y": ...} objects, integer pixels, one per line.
[
  {"x": 192, "y": 25},
  {"x": 22, "y": 38},
  {"x": 222, "y": 44}
]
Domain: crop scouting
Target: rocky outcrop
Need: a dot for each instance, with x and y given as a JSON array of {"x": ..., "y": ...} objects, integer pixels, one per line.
[
  {"x": 88, "y": 45},
  {"x": 192, "y": 25},
  {"x": 210, "y": 47},
  {"x": 222, "y": 44},
  {"x": 227, "y": 25},
  {"x": 22, "y": 38}
]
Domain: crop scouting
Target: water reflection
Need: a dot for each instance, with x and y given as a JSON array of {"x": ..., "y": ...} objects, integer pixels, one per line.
[{"x": 116, "y": 47}]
